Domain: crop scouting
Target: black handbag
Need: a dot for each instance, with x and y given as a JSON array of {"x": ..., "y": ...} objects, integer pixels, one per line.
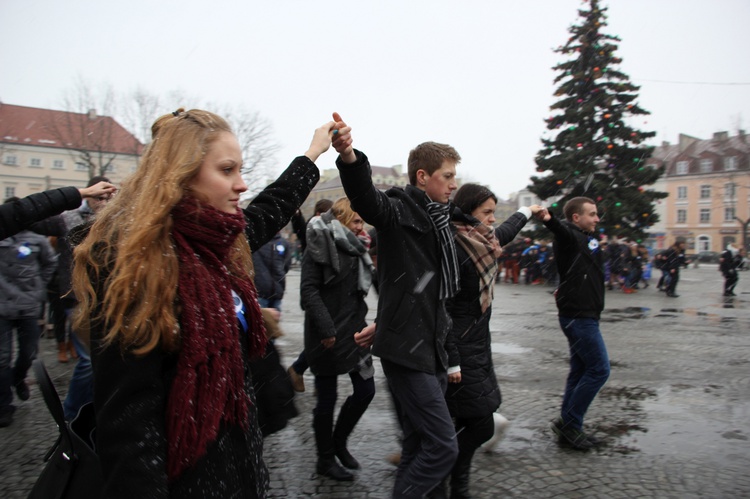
[{"x": 73, "y": 469}]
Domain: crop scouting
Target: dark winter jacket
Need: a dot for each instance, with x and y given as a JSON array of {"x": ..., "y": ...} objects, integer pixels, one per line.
[
  {"x": 72, "y": 219},
  {"x": 469, "y": 342},
  {"x": 130, "y": 393},
  {"x": 580, "y": 265},
  {"x": 272, "y": 262},
  {"x": 334, "y": 307},
  {"x": 19, "y": 215},
  {"x": 412, "y": 322},
  {"x": 27, "y": 263},
  {"x": 674, "y": 258}
]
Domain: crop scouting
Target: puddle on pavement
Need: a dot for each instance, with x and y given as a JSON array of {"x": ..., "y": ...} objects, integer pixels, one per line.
[
  {"x": 508, "y": 348},
  {"x": 673, "y": 426}
]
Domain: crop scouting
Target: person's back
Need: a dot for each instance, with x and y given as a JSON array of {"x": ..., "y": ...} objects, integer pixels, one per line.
[{"x": 271, "y": 262}]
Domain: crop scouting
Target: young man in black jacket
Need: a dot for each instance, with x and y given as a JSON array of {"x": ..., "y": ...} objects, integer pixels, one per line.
[
  {"x": 580, "y": 301},
  {"x": 417, "y": 272}
]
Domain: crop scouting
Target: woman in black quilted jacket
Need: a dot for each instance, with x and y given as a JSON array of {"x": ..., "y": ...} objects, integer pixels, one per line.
[{"x": 473, "y": 394}]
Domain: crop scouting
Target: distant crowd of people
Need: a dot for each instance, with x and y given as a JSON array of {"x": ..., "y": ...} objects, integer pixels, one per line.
[{"x": 169, "y": 296}]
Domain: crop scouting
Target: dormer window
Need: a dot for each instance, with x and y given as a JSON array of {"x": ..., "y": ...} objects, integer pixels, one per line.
[
  {"x": 681, "y": 168},
  {"x": 730, "y": 163},
  {"x": 707, "y": 165}
]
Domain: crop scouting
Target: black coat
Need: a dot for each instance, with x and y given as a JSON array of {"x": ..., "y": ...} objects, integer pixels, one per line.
[
  {"x": 580, "y": 265},
  {"x": 469, "y": 342},
  {"x": 19, "y": 215},
  {"x": 271, "y": 263},
  {"x": 336, "y": 308},
  {"x": 130, "y": 393},
  {"x": 412, "y": 322}
]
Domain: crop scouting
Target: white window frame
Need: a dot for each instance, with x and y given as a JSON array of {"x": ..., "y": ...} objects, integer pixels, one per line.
[
  {"x": 730, "y": 163},
  {"x": 705, "y": 191},
  {"x": 10, "y": 191},
  {"x": 706, "y": 165},
  {"x": 703, "y": 242},
  {"x": 11, "y": 159},
  {"x": 730, "y": 190},
  {"x": 35, "y": 162},
  {"x": 58, "y": 164},
  {"x": 81, "y": 167},
  {"x": 682, "y": 192},
  {"x": 729, "y": 213},
  {"x": 682, "y": 168},
  {"x": 682, "y": 216},
  {"x": 704, "y": 219}
]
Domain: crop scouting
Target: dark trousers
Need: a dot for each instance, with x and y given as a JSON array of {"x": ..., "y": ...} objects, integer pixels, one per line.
[
  {"x": 674, "y": 278},
  {"x": 27, "y": 333},
  {"x": 429, "y": 446},
  {"x": 327, "y": 387}
]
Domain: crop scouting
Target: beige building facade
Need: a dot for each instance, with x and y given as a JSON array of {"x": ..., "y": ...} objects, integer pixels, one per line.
[
  {"x": 708, "y": 182},
  {"x": 43, "y": 149}
]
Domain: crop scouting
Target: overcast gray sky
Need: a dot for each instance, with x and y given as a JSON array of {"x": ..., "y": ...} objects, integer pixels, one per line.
[{"x": 474, "y": 74}]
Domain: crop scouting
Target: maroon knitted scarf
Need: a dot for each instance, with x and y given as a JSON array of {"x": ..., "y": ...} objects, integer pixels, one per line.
[{"x": 209, "y": 386}]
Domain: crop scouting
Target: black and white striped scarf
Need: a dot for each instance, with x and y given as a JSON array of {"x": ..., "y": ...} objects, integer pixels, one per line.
[{"x": 440, "y": 215}]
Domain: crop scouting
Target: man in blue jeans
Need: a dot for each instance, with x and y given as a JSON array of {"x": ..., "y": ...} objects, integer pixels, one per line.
[
  {"x": 580, "y": 301},
  {"x": 81, "y": 389}
]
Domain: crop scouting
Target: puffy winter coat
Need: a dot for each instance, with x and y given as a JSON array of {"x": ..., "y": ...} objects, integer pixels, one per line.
[{"x": 27, "y": 263}]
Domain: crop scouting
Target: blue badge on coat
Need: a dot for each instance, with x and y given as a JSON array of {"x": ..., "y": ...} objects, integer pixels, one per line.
[{"x": 593, "y": 245}]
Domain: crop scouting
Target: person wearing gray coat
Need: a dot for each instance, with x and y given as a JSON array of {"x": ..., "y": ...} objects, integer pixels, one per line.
[{"x": 27, "y": 263}]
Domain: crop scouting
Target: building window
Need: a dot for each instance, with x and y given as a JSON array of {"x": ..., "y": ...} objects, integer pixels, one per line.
[
  {"x": 730, "y": 190},
  {"x": 730, "y": 163},
  {"x": 729, "y": 214},
  {"x": 11, "y": 160},
  {"x": 705, "y": 215},
  {"x": 35, "y": 162},
  {"x": 110, "y": 168},
  {"x": 9, "y": 192},
  {"x": 705, "y": 192},
  {"x": 526, "y": 201},
  {"x": 681, "y": 216},
  {"x": 58, "y": 164},
  {"x": 682, "y": 192},
  {"x": 682, "y": 168},
  {"x": 704, "y": 243},
  {"x": 707, "y": 165},
  {"x": 82, "y": 167}
]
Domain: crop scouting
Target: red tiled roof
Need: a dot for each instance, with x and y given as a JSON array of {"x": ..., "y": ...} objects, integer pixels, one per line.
[{"x": 49, "y": 128}]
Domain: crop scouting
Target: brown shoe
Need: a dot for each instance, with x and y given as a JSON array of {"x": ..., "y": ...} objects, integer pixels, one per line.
[
  {"x": 72, "y": 350},
  {"x": 62, "y": 353},
  {"x": 298, "y": 382}
]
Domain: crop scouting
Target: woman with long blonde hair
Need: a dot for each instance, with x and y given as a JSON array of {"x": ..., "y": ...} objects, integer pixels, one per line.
[{"x": 164, "y": 279}]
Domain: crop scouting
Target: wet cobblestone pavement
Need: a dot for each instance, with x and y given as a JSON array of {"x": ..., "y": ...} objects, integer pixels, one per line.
[{"x": 675, "y": 413}]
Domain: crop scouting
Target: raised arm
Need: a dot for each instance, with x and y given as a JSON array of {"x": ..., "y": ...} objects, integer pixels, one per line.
[
  {"x": 356, "y": 177},
  {"x": 21, "y": 214}
]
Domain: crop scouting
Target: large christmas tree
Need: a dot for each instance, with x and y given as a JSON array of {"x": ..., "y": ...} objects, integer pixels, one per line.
[{"x": 594, "y": 151}]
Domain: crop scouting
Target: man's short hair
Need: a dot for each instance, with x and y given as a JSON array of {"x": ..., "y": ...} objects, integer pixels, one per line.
[
  {"x": 575, "y": 205},
  {"x": 96, "y": 179},
  {"x": 429, "y": 156}
]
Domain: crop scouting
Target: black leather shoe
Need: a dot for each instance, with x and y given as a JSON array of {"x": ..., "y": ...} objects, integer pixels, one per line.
[
  {"x": 22, "y": 389},
  {"x": 332, "y": 469},
  {"x": 672, "y": 295}
]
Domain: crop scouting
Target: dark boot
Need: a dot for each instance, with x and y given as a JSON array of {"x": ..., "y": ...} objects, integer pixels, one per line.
[
  {"x": 327, "y": 465},
  {"x": 460, "y": 476},
  {"x": 349, "y": 415}
]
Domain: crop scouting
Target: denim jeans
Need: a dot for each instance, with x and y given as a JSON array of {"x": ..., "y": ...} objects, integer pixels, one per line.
[
  {"x": 81, "y": 388},
  {"x": 28, "y": 334},
  {"x": 589, "y": 367},
  {"x": 270, "y": 303}
]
